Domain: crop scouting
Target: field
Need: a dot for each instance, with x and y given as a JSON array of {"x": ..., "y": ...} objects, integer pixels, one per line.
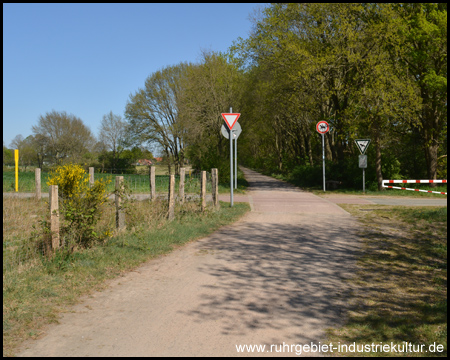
[{"x": 137, "y": 183}]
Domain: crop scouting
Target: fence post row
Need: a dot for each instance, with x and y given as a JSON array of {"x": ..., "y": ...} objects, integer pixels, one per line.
[
  {"x": 120, "y": 215},
  {"x": 215, "y": 188},
  {"x": 54, "y": 215},
  {"x": 171, "y": 197},
  {"x": 37, "y": 180}
]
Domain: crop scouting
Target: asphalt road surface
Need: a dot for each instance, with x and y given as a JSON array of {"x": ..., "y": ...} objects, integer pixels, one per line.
[{"x": 275, "y": 277}]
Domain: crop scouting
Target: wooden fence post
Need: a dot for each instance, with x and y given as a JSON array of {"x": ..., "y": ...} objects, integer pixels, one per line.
[
  {"x": 91, "y": 177},
  {"x": 54, "y": 215},
  {"x": 37, "y": 178},
  {"x": 120, "y": 215},
  {"x": 203, "y": 190},
  {"x": 171, "y": 197},
  {"x": 152, "y": 183},
  {"x": 181, "y": 186},
  {"x": 215, "y": 188}
]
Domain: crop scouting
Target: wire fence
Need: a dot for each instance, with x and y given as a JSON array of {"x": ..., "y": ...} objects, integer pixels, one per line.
[
  {"x": 138, "y": 183},
  {"x": 24, "y": 237}
]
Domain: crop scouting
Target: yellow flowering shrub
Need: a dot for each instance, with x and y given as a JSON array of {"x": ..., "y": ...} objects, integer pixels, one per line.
[{"x": 80, "y": 205}]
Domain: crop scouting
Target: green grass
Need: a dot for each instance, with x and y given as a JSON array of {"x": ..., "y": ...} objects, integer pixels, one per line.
[
  {"x": 400, "y": 287},
  {"x": 387, "y": 192},
  {"x": 318, "y": 189},
  {"x": 137, "y": 183},
  {"x": 35, "y": 295}
]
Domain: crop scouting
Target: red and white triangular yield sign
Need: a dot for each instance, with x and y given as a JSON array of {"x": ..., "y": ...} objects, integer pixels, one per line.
[{"x": 231, "y": 119}]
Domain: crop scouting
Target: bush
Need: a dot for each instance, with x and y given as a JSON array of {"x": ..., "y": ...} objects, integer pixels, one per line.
[{"x": 80, "y": 205}]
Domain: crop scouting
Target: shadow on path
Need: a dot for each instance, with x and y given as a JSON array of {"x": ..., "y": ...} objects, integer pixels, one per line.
[{"x": 278, "y": 276}]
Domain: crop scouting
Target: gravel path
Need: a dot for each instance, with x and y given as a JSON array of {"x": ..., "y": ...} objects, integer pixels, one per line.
[{"x": 273, "y": 277}]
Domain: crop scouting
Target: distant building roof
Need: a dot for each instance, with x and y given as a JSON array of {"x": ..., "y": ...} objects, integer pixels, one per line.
[{"x": 145, "y": 162}]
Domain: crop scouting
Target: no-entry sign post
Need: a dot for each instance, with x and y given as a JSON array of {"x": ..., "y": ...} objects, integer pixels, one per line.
[
  {"x": 231, "y": 119},
  {"x": 322, "y": 128}
]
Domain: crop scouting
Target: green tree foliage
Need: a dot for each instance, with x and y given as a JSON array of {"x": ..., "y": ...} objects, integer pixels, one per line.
[
  {"x": 353, "y": 66},
  {"x": 121, "y": 162},
  {"x": 66, "y": 136},
  {"x": 8, "y": 156},
  {"x": 421, "y": 47},
  {"x": 112, "y": 135},
  {"x": 153, "y": 113},
  {"x": 211, "y": 88}
]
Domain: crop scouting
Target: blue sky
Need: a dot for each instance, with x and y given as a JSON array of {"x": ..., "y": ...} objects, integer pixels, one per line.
[{"x": 86, "y": 59}]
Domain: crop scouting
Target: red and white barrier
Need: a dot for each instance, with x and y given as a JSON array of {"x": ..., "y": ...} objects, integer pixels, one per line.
[{"x": 415, "y": 182}]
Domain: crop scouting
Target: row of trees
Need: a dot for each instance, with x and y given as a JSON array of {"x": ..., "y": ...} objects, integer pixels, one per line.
[
  {"x": 61, "y": 138},
  {"x": 375, "y": 71}
]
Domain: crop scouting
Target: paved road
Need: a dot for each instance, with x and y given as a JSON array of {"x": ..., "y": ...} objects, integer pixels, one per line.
[{"x": 273, "y": 277}]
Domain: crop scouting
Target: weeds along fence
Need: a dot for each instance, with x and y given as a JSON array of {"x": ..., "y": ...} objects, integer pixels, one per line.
[{"x": 26, "y": 242}]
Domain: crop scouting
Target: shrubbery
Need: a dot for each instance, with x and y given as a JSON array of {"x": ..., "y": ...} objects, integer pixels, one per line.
[{"x": 80, "y": 205}]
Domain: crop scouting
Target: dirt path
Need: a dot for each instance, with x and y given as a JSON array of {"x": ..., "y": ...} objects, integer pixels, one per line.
[{"x": 273, "y": 277}]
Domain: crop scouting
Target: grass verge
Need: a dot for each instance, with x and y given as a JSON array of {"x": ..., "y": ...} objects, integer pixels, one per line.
[
  {"x": 34, "y": 296},
  {"x": 400, "y": 289}
]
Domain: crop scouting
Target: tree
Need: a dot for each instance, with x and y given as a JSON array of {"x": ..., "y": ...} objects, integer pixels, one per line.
[
  {"x": 112, "y": 132},
  {"x": 153, "y": 113},
  {"x": 421, "y": 46},
  {"x": 66, "y": 135},
  {"x": 16, "y": 143},
  {"x": 211, "y": 88},
  {"x": 26, "y": 151},
  {"x": 8, "y": 156},
  {"x": 353, "y": 65}
]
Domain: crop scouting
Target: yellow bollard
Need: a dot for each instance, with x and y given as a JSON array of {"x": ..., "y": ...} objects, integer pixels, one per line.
[{"x": 16, "y": 158}]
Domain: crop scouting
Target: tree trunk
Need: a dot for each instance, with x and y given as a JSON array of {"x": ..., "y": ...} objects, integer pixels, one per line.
[
  {"x": 431, "y": 154},
  {"x": 378, "y": 161},
  {"x": 377, "y": 140}
]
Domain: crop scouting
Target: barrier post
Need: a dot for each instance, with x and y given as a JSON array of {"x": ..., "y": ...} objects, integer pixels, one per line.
[
  {"x": 152, "y": 183},
  {"x": 171, "y": 197},
  {"x": 215, "y": 188},
  {"x": 120, "y": 215},
  {"x": 91, "y": 177},
  {"x": 181, "y": 186},
  {"x": 54, "y": 215},
  {"x": 37, "y": 181},
  {"x": 16, "y": 160},
  {"x": 203, "y": 190}
]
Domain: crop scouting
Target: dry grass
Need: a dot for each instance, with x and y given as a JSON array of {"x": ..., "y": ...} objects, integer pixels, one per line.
[
  {"x": 400, "y": 290},
  {"x": 37, "y": 288},
  {"x": 20, "y": 220}
]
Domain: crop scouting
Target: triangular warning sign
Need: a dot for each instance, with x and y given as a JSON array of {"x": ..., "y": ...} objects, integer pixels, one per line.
[
  {"x": 230, "y": 119},
  {"x": 362, "y": 144}
]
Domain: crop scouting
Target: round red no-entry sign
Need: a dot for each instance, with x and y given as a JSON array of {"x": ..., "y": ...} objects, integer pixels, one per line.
[{"x": 322, "y": 127}]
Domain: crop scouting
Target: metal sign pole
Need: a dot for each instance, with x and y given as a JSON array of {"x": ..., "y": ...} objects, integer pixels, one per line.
[
  {"x": 235, "y": 163},
  {"x": 323, "y": 158},
  {"x": 231, "y": 164},
  {"x": 364, "y": 181}
]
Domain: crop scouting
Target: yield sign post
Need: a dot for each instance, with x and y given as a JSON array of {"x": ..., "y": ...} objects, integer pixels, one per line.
[
  {"x": 231, "y": 119},
  {"x": 362, "y": 145}
]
